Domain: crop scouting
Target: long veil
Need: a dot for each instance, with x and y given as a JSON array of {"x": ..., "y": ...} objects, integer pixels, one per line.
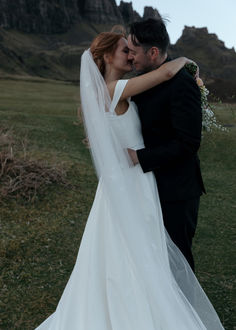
[{"x": 160, "y": 263}]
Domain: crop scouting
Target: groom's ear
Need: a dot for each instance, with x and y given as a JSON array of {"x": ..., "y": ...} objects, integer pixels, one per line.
[{"x": 154, "y": 53}]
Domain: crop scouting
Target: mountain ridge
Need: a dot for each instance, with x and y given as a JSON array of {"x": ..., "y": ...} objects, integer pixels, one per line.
[{"x": 53, "y": 51}]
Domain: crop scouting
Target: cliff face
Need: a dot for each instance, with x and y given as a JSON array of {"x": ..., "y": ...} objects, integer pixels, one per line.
[
  {"x": 128, "y": 14},
  {"x": 39, "y": 16},
  {"x": 55, "y": 16},
  {"x": 149, "y": 12},
  {"x": 101, "y": 11},
  {"x": 58, "y": 16}
]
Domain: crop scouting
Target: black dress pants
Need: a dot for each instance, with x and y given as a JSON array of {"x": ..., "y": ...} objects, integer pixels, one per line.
[{"x": 180, "y": 220}]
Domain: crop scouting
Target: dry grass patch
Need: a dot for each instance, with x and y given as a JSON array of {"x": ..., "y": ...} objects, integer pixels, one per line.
[{"x": 20, "y": 176}]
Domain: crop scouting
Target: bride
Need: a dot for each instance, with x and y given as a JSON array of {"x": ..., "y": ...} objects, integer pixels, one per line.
[{"x": 129, "y": 275}]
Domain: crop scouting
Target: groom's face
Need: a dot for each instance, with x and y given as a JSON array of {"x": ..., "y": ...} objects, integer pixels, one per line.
[{"x": 139, "y": 58}]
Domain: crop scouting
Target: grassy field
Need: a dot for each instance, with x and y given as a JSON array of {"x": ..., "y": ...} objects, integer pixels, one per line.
[{"x": 39, "y": 241}]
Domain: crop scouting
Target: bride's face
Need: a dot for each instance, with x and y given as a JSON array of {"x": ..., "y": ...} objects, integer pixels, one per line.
[{"x": 120, "y": 60}]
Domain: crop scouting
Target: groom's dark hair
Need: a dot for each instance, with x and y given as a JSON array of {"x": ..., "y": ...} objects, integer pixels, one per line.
[{"x": 150, "y": 33}]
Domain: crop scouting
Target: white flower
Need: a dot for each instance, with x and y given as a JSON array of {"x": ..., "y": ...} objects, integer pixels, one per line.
[{"x": 208, "y": 116}]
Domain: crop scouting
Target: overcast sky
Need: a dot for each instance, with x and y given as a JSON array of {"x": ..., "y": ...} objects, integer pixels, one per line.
[{"x": 219, "y": 16}]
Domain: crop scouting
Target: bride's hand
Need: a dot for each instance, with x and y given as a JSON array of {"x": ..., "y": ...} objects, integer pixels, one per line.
[
  {"x": 189, "y": 61},
  {"x": 133, "y": 156}
]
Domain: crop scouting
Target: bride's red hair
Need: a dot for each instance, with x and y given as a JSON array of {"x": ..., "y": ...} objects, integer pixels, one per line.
[{"x": 104, "y": 43}]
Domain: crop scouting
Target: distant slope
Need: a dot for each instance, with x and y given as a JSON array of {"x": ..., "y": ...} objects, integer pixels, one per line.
[{"x": 47, "y": 56}]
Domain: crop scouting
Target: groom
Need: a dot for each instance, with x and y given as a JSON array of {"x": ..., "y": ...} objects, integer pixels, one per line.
[{"x": 171, "y": 120}]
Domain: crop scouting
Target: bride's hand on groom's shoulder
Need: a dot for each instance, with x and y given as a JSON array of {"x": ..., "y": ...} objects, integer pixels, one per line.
[{"x": 189, "y": 61}]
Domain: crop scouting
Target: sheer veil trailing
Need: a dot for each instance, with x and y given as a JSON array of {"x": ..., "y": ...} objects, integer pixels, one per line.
[
  {"x": 156, "y": 271},
  {"x": 106, "y": 152}
]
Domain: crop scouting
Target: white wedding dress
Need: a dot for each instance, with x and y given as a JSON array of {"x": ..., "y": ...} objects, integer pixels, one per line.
[{"x": 128, "y": 274}]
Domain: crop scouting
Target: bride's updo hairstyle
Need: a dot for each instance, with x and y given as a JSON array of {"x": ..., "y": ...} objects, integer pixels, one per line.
[{"x": 106, "y": 43}]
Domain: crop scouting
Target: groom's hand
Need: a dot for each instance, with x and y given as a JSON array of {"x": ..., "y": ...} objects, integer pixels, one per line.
[{"x": 133, "y": 156}]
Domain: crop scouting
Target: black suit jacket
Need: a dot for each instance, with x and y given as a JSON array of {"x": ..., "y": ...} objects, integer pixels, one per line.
[{"x": 171, "y": 119}]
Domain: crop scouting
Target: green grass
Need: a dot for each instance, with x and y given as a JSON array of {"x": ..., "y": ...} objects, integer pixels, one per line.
[
  {"x": 214, "y": 244},
  {"x": 40, "y": 241}
]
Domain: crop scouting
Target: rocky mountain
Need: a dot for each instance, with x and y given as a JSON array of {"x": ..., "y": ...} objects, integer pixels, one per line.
[
  {"x": 45, "y": 38},
  {"x": 39, "y": 16},
  {"x": 150, "y": 12},
  {"x": 128, "y": 13},
  {"x": 217, "y": 63},
  {"x": 58, "y": 16},
  {"x": 103, "y": 12}
]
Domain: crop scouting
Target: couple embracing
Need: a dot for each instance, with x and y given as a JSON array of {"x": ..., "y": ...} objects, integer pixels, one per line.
[{"x": 134, "y": 269}]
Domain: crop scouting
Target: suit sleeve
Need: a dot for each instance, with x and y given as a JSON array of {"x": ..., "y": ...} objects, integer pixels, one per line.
[{"x": 186, "y": 121}]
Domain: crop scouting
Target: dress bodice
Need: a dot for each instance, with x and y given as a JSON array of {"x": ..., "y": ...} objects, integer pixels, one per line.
[{"x": 127, "y": 127}]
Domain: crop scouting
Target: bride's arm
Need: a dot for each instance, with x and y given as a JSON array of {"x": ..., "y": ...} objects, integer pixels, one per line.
[{"x": 148, "y": 80}]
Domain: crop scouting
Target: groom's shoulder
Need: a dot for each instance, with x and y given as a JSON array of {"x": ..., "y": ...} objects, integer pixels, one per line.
[
  {"x": 183, "y": 80},
  {"x": 182, "y": 75}
]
